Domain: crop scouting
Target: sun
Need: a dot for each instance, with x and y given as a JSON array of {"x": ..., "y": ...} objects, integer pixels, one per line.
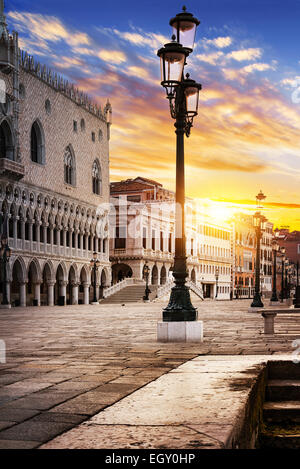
[{"x": 220, "y": 213}]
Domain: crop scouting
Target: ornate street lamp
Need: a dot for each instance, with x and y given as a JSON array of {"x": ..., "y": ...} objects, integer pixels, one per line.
[
  {"x": 282, "y": 250},
  {"x": 95, "y": 264},
  {"x": 146, "y": 272},
  {"x": 217, "y": 279},
  {"x": 258, "y": 220},
  {"x": 275, "y": 247},
  {"x": 5, "y": 255},
  {"x": 183, "y": 96},
  {"x": 184, "y": 28}
]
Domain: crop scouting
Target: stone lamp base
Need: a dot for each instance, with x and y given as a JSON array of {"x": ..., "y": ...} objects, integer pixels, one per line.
[{"x": 190, "y": 331}]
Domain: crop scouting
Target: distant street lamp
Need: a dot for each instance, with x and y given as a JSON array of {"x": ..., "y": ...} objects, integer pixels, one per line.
[
  {"x": 297, "y": 293},
  {"x": 183, "y": 96},
  {"x": 146, "y": 272},
  {"x": 287, "y": 290},
  {"x": 5, "y": 254},
  {"x": 282, "y": 250},
  {"x": 217, "y": 278},
  {"x": 275, "y": 247},
  {"x": 95, "y": 264},
  {"x": 258, "y": 220}
]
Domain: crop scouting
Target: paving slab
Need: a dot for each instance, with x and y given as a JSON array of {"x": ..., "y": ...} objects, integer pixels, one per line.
[{"x": 52, "y": 345}]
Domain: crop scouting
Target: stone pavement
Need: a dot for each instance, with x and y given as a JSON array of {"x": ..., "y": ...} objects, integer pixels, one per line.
[{"x": 65, "y": 365}]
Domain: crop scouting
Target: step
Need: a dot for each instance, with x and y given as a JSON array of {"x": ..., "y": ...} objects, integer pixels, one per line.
[
  {"x": 280, "y": 437},
  {"x": 283, "y": 412},
  {"x": 130, "y": 294},
  {"x": 283, "y": 390},
  {"x": 283, "y": 370}
]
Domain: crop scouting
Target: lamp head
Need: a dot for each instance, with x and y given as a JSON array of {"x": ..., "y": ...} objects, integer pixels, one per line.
[{"x": 184, "y": 26}]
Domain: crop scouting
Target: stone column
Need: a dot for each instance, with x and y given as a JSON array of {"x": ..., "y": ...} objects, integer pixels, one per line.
[
  {"x": 15, "y": 234},
  {"x": 86, "y": 245},
  {"x": 74, "y": 299},
  {"x": 86, "y": 293},
  {"x": 45, "y": 238},
  {"x": 81, "y": 245},
  {"x": 23, "y": 294},
  {"x": 8, "y": 286},
  {"x": 64, "y": 239},
  {"x": 63, "y": 289},
  {"x": 37, "y": 293},
  {"x": 23, "y": 232},
  {"x": 76, "y": 242},
  {"x": 51, "y": 237},
  {"x": 37, "y": 228},
  {"x": 30, "y": 225},
  {"x": 51, "y": 294}
]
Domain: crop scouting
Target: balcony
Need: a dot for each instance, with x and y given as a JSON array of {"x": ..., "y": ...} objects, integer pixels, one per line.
[{"x": 11, "y": 169}]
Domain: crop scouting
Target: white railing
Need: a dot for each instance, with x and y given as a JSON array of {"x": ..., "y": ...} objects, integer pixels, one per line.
[
  {"x": 164, "y": 289},
  {"x": 120, "y": 285},
  {"x": 195, "y": 289}
]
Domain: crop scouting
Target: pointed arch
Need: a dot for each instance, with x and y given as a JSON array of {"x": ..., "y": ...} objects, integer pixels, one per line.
[
  {"x": 48, "y": 272},
  {"x": 35, "y": 269},
  {"x": 97, "y": 178},
  {"x": 62, "y": 271},
  {"x": 18, "y": 267},
  {"x": 69, "y": 166},
  {"x": 37, "y": 143},
  {"x": 7, "y": 140}
]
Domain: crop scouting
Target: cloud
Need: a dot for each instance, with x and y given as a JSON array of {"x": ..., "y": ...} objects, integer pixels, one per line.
[
  {"x": 245, "y": 54},
  {"x": 112, "y": 56},
  {"x": 219, "y": 42},
  {"x": 290, "y": 82},
  {"x": 241, "y": 73},
  {"x": 141, "y": 38},
  {"x": 244, "y": 136},
  {"x": 47, "y": 28},
  {"x": 210, "y": 58}
]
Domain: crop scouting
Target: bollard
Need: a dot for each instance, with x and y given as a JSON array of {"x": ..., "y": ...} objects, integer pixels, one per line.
[{"x": 268, "y": 322}]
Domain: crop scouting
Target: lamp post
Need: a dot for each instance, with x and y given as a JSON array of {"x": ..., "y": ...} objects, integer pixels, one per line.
[
  {"x": 217, "y": 279},
  {"x": 183, "y": 96},
  {"x": 287, "y": 293},
  {"x": 5, "y": 254},
  {"x": 95, "y": 264},
  {"x": 258, "y": 219},
  {"x": 146, "y": 272},
  {"x": 282, "y": 250},
  {"x": 297, "y": 293},
  {"x": 275, "y": 247}
]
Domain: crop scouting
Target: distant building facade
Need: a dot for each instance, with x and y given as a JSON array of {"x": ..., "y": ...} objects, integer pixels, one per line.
[
  {"x": 144, "y": 223},
  {"x": 244, "y": 256},
  {"x": 54, "y": 174}
]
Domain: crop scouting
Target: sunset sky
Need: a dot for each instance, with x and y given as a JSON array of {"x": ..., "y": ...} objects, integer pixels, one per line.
[{"x": 247, "y": 57}]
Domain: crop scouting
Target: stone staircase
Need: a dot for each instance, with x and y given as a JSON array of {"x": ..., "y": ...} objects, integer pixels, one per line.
[
  {"x": 130, "y": 294},
  {"x": 281, "y": 412}
]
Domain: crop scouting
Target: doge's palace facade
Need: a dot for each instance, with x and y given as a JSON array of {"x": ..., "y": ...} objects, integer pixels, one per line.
[{"x": 54, "y": 181}]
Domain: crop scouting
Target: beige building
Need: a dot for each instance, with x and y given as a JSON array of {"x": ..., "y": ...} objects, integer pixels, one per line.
[
  {"x": 143, "y": 231},
  {"x": 54, "y": 178}
]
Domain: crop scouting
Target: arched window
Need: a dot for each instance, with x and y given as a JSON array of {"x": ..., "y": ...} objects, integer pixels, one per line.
[
  {"x": 37, "y": 144},
  {"x": 6, "y": 141},
  {"x": 69, "y": 161},
  {"x": 96, "y": 175}
]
